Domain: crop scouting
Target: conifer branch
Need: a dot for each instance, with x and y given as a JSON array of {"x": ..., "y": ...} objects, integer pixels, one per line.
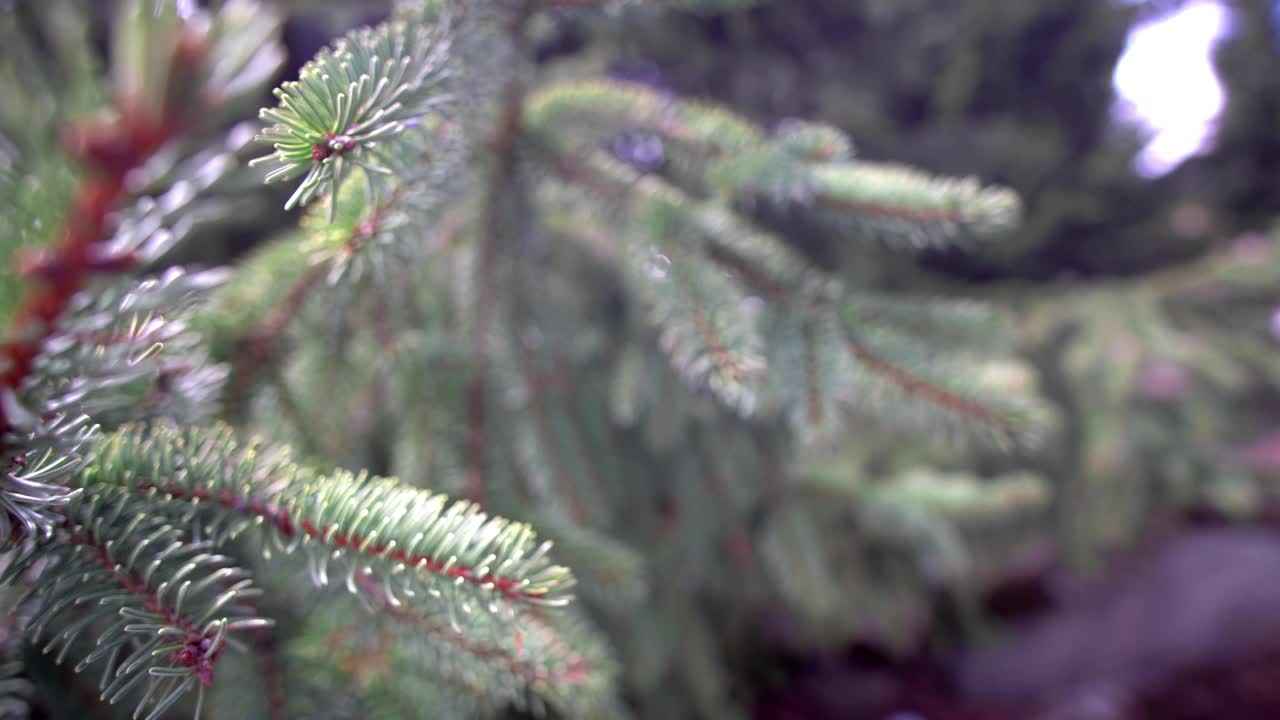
[
  {"x": 109, "y": 151},
  {"x": 547, "y": 382},
  {"x": 763, "y": 261},
  {"x": 173, "y": 604},
  {"x": 257, "y": 341},
  {"x": 768, "y": 267},
  {"x": 598, "y": 109},
  {"x": 803, "y": 168},
  {"x": 928, "y": 391},
  {"x": 32, "y": 406},
  {"x": 431, "y": 547},
  {"x": 907, "y": 208},
  {"x": 562, "y": 666},
  {"x": 352, "y": 103},
  {"x": 541, "y": 664}
]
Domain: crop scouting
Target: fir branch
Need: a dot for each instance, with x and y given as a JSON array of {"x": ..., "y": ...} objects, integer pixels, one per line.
[
  {"x": 250, "y": 315},
  {"x": 533, "y": 669},
  {"x": 770, "y": 268},
  {"x": 352, "y": 103},
  {"x": 803, "y": 169},
  {"x": 547, "y": 666},
  {"x": 70, "y": 353},
  {"x": 762, "y": 260},
  {"x": 814, "y": 142},
  {"x": 674, "y": 258},
  {"x": 109, "y": 150},
  {"x": 353, "y": 220},
  {"x": 431, "y": 547},
  {"x": 599, "y": 108},
  {"x": 173, "y": 603},
  {"x": 169, "y": 71},
  {"x": 931, "y": 393},
  {"x": 703, "y": 317},
  {"x": 34, "y": 496},
  {"x": 907, "y": 208}
]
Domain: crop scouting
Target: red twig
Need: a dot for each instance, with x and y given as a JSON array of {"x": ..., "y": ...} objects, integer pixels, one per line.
[{"x": 61, "y": 271}]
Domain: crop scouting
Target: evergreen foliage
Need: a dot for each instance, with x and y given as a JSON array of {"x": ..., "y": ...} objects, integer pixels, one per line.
[{"x": 575, "y": 304}]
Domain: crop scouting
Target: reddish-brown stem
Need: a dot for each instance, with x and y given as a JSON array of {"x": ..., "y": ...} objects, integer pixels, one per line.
[
  {"x": 258, "y": 341},
  {"x": 364, "y": 231},
  {"x": 261, "y": 336},
  {"x": 323, "y": 151}
]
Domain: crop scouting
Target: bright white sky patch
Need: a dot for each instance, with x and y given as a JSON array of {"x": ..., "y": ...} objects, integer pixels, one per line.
[{"x": 1166, "y": 80}]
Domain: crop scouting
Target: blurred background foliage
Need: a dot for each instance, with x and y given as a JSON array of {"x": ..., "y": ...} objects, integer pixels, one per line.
[
  {"x": 1147, "y": 316},
  {"x": 1147, "y": 305}
]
